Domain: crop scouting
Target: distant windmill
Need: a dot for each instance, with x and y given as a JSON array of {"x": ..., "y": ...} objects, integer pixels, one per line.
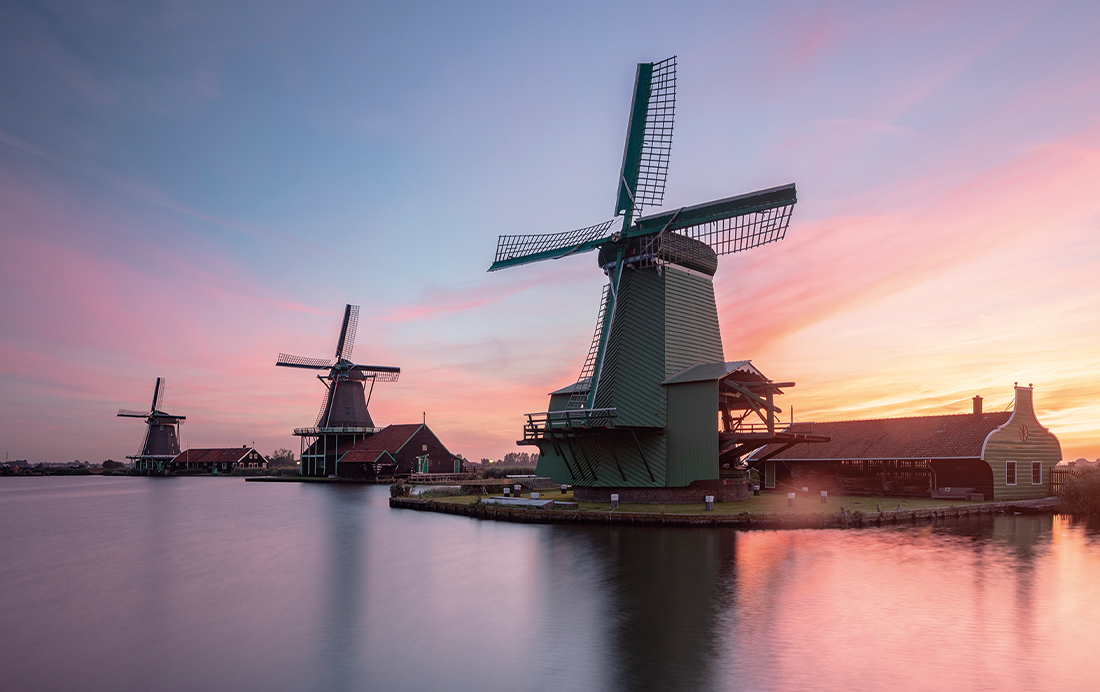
[
  {"x": 618, "y": 425},
  {"x": 343, "y": 419},
  {"x": 162, "y": 439}
]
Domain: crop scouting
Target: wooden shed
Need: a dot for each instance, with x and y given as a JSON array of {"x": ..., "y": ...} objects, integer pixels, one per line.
[{"x": 1005, "y": 455}]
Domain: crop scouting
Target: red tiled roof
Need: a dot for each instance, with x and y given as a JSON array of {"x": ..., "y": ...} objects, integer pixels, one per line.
[
  {"x": 217, "y": 456},
  {"x": 390, "y": 439},
  {"x": 918, "y": 437},
  {"x": 364, "y": 456}
]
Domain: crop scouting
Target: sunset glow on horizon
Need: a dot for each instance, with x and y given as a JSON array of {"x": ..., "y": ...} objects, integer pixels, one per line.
[{"x": 188, "y": 190}]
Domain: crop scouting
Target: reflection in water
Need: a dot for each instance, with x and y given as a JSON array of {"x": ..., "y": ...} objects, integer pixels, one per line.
[
  {"x": 339, "y": 579},
  {"x": 215, "y": 584},
  {"x": 666, "y": 586}
]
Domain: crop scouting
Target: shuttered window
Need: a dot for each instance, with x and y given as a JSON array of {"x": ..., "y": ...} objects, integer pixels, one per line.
[{"x": 1010, "y": 473}]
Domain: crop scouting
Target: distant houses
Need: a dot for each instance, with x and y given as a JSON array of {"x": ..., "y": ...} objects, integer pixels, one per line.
[{"x": 217, "y": 460}]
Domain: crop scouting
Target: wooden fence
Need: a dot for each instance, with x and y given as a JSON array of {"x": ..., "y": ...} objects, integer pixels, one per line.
[{"x": 1058, "y": 477}]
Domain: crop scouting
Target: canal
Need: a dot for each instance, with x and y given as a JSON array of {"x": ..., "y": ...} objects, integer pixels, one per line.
[{"x": 217, "y": 584}]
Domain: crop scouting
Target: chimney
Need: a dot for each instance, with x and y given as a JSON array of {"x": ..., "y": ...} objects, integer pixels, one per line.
[{"x": 978, "y": 405}]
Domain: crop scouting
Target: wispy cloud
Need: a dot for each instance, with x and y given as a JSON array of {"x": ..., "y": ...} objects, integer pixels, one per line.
[
  {"x": 829, "y": 265},
  {"x": 151, "y": 195},
  {"x": 438, "y": 301}
]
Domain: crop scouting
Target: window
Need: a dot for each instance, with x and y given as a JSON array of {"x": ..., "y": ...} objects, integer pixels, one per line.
[
  {"x": 1036, "y": 473},
  {"x": 1010, "y": 473},
  {"x": 423, "y": 448}
]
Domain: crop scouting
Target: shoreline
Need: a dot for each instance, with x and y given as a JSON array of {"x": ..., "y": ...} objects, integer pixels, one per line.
[{"x": 841, "y": 518}]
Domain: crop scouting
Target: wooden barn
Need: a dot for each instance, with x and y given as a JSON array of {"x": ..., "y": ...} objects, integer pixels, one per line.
[
  {"x": 398, "y": 450},
  {"x": 217, "y": 460},
  {"x": 1006, "y": 455}
]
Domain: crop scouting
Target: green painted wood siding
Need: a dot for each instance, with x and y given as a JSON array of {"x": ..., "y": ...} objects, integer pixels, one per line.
[
  {"x": 551, "y": 465},
  {"x": 692, "y": 334},
  {"x": 633, "y": 366},
  {"x": 692, "y": 432},
  {"x": 620, "y": 464},
  {"x": 1005, "y": 444},
  {"x": 614, "y": 457}
]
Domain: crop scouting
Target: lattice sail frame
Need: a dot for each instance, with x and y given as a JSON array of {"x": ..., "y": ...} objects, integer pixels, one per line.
[
  {"x": 578, "y": 399},
  {"x": 348, "y": 337},
  {"x": 724, "y": 236},
  {"x": 302, "y": 362},
  {"x": 513, "y": 246},
  {"x": 372, "y": 372},
  {"x": 657, "y": 142},
  {"x": 324, "y": 404}
]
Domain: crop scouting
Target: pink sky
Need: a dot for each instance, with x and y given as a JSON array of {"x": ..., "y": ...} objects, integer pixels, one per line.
[{"x": 186, "y": 195}]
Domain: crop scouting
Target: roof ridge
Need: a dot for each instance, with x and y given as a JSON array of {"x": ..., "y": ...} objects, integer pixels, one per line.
[{"x": 934, "y": 415}]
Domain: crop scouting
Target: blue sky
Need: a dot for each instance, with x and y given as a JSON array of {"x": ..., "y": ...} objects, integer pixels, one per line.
[{"x": 187, "y": 189}]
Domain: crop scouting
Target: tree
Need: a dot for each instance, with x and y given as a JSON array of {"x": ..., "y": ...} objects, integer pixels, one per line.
[
  {"x": 112, "y": 464},
  {"x": 282, "y": 457},
  {"x": 521, "y": 459}
]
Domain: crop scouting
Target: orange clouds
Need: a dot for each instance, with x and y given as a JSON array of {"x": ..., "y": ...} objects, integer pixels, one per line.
[{"x": 971, "y": 285}]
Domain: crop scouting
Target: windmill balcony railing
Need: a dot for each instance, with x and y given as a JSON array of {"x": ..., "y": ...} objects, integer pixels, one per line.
[
  {"x": 359, "y": 430},
  {"x": 753, "y": 428},
  {"x": 762, "y": 428},
  {"x": 541, "y": 425}
]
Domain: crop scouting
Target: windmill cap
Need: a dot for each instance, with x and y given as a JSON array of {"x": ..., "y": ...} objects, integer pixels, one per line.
[{"x": 674, "y": 249}]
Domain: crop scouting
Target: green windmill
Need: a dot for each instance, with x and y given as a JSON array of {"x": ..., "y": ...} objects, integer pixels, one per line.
[{"x": 643, "y": 417}]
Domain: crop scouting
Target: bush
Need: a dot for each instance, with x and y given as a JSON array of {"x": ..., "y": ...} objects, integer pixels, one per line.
[
  {"x": 496, "y": 471},
  {"x": 441, "y": 491},
  {"x": 1081, "y": 493},
  {"x": 851, "y": 518},
  {"x": 254, "y": 472},
  {"x": 399, "y": 490}
]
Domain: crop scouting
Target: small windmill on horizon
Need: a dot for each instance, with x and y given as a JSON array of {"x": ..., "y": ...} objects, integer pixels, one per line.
[
  {"x": 343, "y": 418},
  {"x": 644, "y": 411},
  {"x": 162, "y": 439}
]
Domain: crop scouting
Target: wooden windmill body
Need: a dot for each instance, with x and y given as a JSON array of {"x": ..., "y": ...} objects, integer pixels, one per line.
[
  {"x": 161, "y": 443},
  {"x": 657, "y": 413},
  {"x": 343, "y": 419}
]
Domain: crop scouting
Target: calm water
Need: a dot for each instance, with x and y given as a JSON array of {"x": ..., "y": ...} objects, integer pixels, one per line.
[{"x": 217, "y": 584}]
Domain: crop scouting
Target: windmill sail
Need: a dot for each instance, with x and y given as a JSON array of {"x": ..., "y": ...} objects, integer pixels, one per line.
[
  {"x": 648, "y": 139},
  {"x": 723, "y": 226},
  {"x": 514, "y": 250},
  {"x": 289, "y": 361},
  {"x": 380, "y": 373},
  {"x": 347, "y": 332},
  {"x": 578, "y": 399}
]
